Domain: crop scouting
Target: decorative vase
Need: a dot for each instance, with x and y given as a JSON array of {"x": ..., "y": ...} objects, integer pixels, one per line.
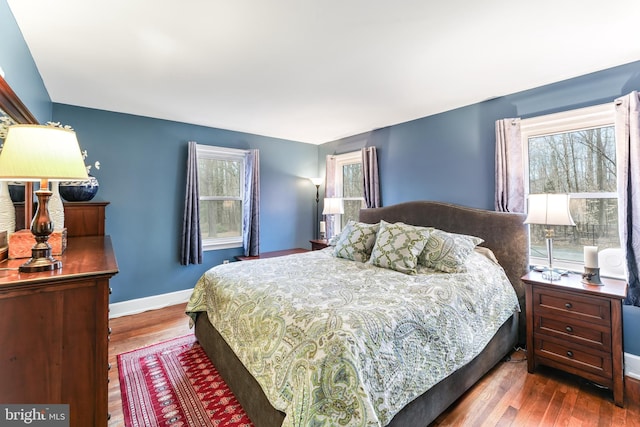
[
  {"x": 56, "y": 209},
  {"x": 16, "y": 191},
  {"x": 79, "y": 191},
  {"x": 7, "y": 210}
]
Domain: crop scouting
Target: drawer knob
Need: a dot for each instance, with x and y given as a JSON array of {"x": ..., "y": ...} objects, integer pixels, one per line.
[
  {"x": 569, "y": 329},
  {"x": 568, "y": 305},
  {"x": 569, "y": 353}
]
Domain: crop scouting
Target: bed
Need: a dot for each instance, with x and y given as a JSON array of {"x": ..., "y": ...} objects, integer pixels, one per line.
[{"x": 413, "y": 389}]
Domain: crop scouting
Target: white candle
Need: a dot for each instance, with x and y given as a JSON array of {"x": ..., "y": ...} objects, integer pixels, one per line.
[
  {"x": 323, "y": 227},
  {"x": 591, "y": 256}
]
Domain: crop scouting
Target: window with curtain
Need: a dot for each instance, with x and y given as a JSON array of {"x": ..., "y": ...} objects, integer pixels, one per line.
[
  {"x": 349, "y": 185},
  {"x": 574, "y": 152},
  {"x": 221, "y": 176}
]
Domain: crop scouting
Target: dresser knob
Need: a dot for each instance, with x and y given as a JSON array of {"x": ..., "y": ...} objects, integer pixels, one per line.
[
  {"x": 568, "y": 305},
  {"x": 569, "y": 329},
  {"x": 569, "y": 353}
]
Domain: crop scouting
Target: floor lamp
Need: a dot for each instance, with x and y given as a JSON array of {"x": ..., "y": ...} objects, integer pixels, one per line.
[
  {"x": 548, "y": 210},
  {"x": 316, "y": 182},
  {"x": 41, "y": 153}
]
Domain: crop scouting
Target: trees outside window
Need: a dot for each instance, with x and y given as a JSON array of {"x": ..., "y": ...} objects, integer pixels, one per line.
[
  {"x": 574, "y": 152},
  {"x": 349, "y": 185}
]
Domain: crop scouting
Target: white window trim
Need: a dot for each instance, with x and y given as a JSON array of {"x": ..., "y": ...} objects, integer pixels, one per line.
[
  {"x": 222, "y": 153},
  {"x": 572, "y": 120}
]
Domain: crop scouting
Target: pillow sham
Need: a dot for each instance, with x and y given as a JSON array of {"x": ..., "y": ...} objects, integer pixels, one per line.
[
  {"x": 355, "y": 241},
  {"x": 397, "y": 246},
  {"x": 448, "y": 252}
]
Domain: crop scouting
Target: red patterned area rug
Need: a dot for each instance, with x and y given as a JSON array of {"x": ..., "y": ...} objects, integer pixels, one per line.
[{"x": 174, "y": 383}]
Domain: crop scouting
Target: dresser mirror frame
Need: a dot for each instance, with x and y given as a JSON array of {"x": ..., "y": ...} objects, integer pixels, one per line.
[{"x": 12, "y": 106}]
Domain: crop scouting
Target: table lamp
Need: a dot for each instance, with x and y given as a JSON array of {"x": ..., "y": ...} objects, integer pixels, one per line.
[
  {"x": 41, "y": 153},
  {"x": 549, "y": 209},
  {"x": 333, "y": 206}
]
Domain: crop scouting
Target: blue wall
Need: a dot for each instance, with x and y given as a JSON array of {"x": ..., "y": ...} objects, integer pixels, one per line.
[
  {"x": 451, "y": 156},
  {"x": 142, "y": 175},
  {"x": 20, "y": 70}
]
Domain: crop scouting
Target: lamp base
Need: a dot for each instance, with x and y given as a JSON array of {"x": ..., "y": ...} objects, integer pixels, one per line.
[
  {"x": 41, "y": 227},
  {"x": 549, "y": 274},
  {"x": 41, "y": 260}
]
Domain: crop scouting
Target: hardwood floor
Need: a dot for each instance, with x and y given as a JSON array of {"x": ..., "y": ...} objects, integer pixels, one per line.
[
  {"x": 507, "y": 396},
  {"x": 135, "y": 331}
]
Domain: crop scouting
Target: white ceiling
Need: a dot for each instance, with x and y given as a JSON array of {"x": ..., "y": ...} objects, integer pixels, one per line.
[{"x": 315, "y": 70}]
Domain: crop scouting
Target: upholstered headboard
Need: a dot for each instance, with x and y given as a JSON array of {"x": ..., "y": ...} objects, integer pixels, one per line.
[{"x": 504, "y": 233}]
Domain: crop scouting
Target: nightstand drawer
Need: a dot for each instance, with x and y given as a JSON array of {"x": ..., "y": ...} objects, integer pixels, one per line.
[
  {"x": 589, "y": 334},
  {"x": 578, "y": 359},
  {"x": 573, "y": 306}
]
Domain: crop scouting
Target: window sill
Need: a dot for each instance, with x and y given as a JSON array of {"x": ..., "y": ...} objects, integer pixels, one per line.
[
  {"x": 218, "y": 246},
  {"x": 566, "y": 265}
]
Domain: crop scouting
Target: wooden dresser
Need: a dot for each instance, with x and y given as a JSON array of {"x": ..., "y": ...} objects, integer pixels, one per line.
[
  {"x": 577, "y": 328},
  {"x": 54, "y": 326},
  {"x": 54, "y": 331}
]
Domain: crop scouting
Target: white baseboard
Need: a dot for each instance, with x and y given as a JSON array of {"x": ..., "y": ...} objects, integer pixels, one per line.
[
  {"x": 140, "y": 305},
  {"x": 632, "y": 366}
]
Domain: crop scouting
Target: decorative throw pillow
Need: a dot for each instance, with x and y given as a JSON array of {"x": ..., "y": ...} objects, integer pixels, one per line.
[
  {"x": 355, "y": 241},
  {"x": 398, "y": 245},
  {"x": 448, "y": 251}
]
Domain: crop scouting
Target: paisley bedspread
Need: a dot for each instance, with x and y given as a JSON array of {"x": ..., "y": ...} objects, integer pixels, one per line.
[{"x": 338, "y": 342}]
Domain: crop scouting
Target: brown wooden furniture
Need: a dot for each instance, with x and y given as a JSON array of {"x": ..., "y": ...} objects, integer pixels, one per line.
[
  {"x": 80, "y": 218},
  {"x": 54, "y": 331},
  {"x": 317, "y": 244},
  {"x": 272, "y": 254},
  {"x": 577, "y": 328}
]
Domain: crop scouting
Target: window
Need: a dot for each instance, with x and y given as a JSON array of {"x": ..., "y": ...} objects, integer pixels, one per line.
[
  {"x": 349, "y": 185},
  {"x": 221, "y": 174},
  {"x": 574, "y": 152}
]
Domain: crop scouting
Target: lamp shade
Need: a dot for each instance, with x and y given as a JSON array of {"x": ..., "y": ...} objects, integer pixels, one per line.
[
  {"x": 316, "y": 181},
  {"x": 549, "y": 209},
  {"x": 333, "y": 206},
  {"x": 35, "y": 152}
]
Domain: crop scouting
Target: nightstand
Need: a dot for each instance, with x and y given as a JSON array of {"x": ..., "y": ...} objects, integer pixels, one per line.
[
  {"x": 318, "y": 244},
  {"x": 577, "y": 328}
]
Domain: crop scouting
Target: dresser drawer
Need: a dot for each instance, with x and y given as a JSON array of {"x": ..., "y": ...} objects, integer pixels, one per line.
[
  {"x": 590, "y": 334},
  {"x": 572, "y": 306},
  {"x": 574, "y": 358}
]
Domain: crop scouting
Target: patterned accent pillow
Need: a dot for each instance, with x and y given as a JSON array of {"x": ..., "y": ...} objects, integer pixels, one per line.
[
  {"x": 355, "y": 241},
  {"x": 398, "y": 245},
  {"x": 448, "y": 252}
]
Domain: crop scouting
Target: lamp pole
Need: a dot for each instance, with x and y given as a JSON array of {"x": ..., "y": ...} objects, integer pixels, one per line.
[{"x": 315, "y": 227}]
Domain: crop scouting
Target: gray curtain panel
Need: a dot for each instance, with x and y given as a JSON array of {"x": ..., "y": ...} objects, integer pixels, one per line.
[
  {"x": 251, "y": 220},
  {"x": 370, "y": 177},
  {"x": 627, "y": 125},
  {"x": 191, "y": 252},
  {"x": 509, "y": 167},
  {"x": 330, "y": 189}
]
